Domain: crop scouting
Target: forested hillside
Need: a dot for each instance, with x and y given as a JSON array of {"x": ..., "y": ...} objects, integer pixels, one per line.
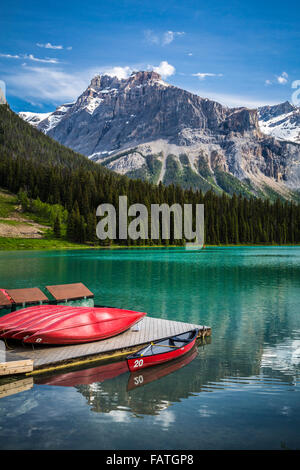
[{"x": 37, "y": 167}]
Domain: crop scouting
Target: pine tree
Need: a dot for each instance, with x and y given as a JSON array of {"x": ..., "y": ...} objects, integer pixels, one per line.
[{"x": 57, "y": 227}]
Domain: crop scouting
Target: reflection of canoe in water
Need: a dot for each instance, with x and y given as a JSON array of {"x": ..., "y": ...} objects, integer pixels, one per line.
[
  {"x": 114, "y": 369},
  {"x": 53, "y": 324},
  {"x": 85, "y": 376},
  {"x": 143, "y": 377},
  {"x": 162, "y": 350}
]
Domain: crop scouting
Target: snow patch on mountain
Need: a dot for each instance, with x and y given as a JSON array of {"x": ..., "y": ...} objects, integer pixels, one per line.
[
  {"x": 33, "y": 118},
  {"x": 46, "y": 121},
  {"x": 93, "y": 104},
  {"x": 144, "y": 127},
  {"x": 280, "y": 121}
]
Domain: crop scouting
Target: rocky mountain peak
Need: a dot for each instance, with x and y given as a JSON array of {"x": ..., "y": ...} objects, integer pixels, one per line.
[
  {"x": 103, "y": 82},
  {"x": 281, "y": 121},
  {"x": 268, "y": 112},
  {"x": 100, "y": 82},
  {"x": 142, "y": 77},
  {"x": 143, "y": 127}
]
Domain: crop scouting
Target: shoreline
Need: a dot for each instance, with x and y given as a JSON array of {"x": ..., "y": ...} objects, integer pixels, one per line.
[{"x": 28, "y": 244}]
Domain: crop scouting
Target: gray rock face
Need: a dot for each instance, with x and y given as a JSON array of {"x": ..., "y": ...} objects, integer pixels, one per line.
[
  {"x": 143, "y": 127},
  {"x": 113, "y": 114},
  {"x": 268, "y": 112},
  {"x": 2, "y": 97}
]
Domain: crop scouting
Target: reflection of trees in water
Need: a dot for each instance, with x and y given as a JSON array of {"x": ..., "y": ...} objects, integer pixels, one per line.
[
  {"x": 283, "y": 361},
  {"x": 151, "y": 398},
  {"x": 246, "y": 297},
  {"x": 218, "y": 365}
]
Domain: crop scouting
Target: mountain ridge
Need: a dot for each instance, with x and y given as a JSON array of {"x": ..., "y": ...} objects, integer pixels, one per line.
[{"x": 144, "y": 127}]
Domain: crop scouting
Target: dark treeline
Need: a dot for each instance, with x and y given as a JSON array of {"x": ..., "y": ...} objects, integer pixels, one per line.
[{"x": 36, "y": 165}]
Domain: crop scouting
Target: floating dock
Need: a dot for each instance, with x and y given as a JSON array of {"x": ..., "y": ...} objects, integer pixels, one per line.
[
  {"x": 13, "y": 298},
  {"x": 11, "y": 364},
  {"x": 25, "y": 359},
  {"x": 47, "y": 358},
  {"x": 65, "y": 292}
]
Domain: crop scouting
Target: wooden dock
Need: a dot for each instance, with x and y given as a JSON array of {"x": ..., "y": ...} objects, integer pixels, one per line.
[
  {"x": 43, "y": 358},
  {"x": 14, "y": 363},
  {"x": 65, "y": 292},
  {"x": 13, "y": 298},
  {"x": 22, "y": 297}
]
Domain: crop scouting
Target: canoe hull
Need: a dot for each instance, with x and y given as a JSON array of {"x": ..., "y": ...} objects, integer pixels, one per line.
[
  {"x": 86, "y": 325},
  {"x": 19, "y": 319},
  {"x": 35, "y": 318},
  {"x": 137, "y": 362},
  {"x": 64, "y": 324},
  {"x": 140, "y": 378}
]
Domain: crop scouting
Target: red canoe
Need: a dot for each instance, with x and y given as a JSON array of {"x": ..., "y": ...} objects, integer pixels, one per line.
[
  {"x": 82, "y": 325},
  {"x": 20, "y": 315},
  {"x": 46, "y": 318},
  {"x": 140, "y": 378},
  {"x": 162, "y": 350},
  {"x": 34, "y": 317}
]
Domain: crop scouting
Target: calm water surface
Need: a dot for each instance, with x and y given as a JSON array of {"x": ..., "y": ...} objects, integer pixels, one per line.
[{"x": 241, "y": 391}]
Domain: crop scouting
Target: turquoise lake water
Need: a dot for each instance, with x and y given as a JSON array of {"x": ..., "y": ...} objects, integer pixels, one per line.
[{"x": 241, "y": 391}]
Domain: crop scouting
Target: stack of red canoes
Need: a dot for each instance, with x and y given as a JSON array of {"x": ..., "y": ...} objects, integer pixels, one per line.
[{"x": 57, "y": 324}]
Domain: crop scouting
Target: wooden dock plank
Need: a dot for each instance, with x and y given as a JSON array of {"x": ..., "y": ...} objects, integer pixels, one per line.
[
  {"x": 27, "y": 296},
  {"x": 14, "y": 364},
  {"x": 151, "y": 329},
  {"x": 74, "y": 291}
]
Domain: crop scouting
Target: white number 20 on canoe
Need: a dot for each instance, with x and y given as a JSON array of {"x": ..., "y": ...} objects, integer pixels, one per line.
[{"x": 138, "y": 363}]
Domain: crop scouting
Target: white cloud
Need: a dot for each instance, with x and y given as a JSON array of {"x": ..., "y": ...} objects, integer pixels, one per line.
[
  {"x": 151, "y": 37},
  {"x": 190, "y": 53},
  {"x": 39, "y": 83},
  {"x": 119, "y": 72},
  {"x": 203, "y": 75},
  {"x": 162, "y": 38},
  {"x": 164, "y": 69},
  {"x": 169, "y": 36},
  {"x": 48, "y": 45},
  {"x": 47, "y": 60},
  {"x": 232, "y": 101},
  {"x": 282, "y": 79},
  {"x": 9, "y": 56},
  {"x": 51, "y": 84}
]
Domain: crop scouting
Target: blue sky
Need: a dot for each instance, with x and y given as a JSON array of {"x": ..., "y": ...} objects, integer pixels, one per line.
[{"x": 238, "y": 53}]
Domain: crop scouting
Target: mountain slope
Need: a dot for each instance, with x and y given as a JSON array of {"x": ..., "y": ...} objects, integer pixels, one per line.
[
  {"x": 47, "y": 171},
  {"x": 146, "y": 128},
  {"x": 281, "y": 121}
]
